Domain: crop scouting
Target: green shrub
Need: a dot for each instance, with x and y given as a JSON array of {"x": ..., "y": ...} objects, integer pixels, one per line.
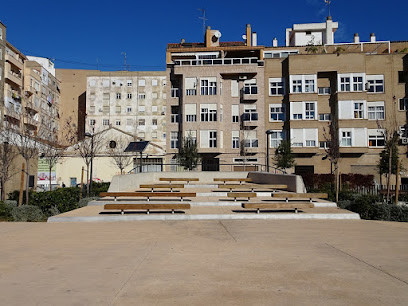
[
  {"x": 97, "y": 188},
  {"x": 5, "y": 210},
  {"x": 27, "y": 213},
  {"x": 84, "y": 202}
]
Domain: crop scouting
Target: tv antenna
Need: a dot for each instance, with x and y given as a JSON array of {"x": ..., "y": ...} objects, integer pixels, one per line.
[
  {"x": 328, "y": 2},
  {"x": 202, "y": 18},
  {"x": 124, "y": 55}
]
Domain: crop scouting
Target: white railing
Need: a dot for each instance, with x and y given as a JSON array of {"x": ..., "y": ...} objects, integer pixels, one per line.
[{"x": 216, "y": 61}]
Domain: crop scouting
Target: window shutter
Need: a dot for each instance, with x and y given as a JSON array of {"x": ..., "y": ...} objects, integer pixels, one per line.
[{"x": 190, "y": 109}]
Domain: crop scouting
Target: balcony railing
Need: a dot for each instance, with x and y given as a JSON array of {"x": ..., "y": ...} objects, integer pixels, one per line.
[
  {"x": 217, "y": 61},
  {"x": 251, "y": 143},
  {"x": 175, "y": 92}
]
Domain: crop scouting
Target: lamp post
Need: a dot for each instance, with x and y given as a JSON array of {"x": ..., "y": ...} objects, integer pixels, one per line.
[
  {"x": 92, "y": 157},
  {"x": 268, "y": 132}
]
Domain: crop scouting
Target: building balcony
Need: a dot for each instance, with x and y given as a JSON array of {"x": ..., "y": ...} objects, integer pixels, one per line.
[
  {"x": 30, "y": 122},
  {"x": 249, "y": 119},
  {"x": 14, "y": 61},
  {"x": 31, "y": 107},
  {"x": 353, "y": 150},
  {"x": 249, "y": 93},
  {"x": 14, "y": 77},
  {"x": 216, "y": 61},
  {"x": 12, "y": 112},
  {"x": 175, "y": 92}
]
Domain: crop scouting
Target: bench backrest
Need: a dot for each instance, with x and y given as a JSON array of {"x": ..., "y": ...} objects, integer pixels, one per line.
[
  {"x": 241, "y": 194},
  {"x": 161, "y": 186},
  {"x": 147, "y": 206},
  {"x": 232, "y": 179},
  {"x": 147, "y": 194},
  {"x": 174, "y": 179},
  {"x": 300, "y": 195}
]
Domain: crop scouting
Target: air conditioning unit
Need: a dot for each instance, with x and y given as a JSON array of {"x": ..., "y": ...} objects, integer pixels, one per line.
[
  {"x": 404, "y": 140},
  {"x": 242, "y": 77}
]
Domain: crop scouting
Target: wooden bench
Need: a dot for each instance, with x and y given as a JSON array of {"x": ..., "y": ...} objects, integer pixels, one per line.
[
  {"x": 236, "y": 195},
  {"x": 309, "y": 196},
  {"x": 147, "y": 207},
  {"x": 148, "y": 195},
  {"x": 259, "y": 206},
  {"x": 175, "y": 179},
  {"x": 232, "y": 179},
  {"x": 252, "y": 187},
  {"x": 159, "y": 186}
]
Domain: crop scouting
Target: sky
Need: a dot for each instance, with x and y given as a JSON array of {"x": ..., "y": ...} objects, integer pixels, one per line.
[{"x": 92, "y": 34}]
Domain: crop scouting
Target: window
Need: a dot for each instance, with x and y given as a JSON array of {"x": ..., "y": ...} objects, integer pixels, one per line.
[
  {"x": 92, "y": 109},
  {"x": 118, "y": 109},
  {"x": 376, "y": 83},
  {"x": 208, "y": 112},
  {"x": 250, "y": 87},
  {"x": 106, "y": 109},
  {"x": 154, "y": 95},
  {"x": 129, "y": 109},
  {"x": 154, "y": 122},
  {"x": 209, "y": 87},
  {"x": 324, "y": 144},
  {"x": 250, "y": 139},
  {"x": 191, "y": 112},
  {"x": 310, "y": 110},
  {"x": 279, "y": 54},
  {"x": 235, "y": 139},
  {"x": 276, "y": 112},
  {"x": 303, "y": 83},
  {"x": 324, "y": 91},
  {"x": 359, "y": 110},
  {"x": 235, "y": 113},
  {"x": 154, "y": 82},
  {"x": 276, "y": 87},
  {"x": 310, "y": 143},
  {"x": 141, "y": 108},
  {"x": 105, "y": 121},
  {"x": 351, "y": 82},
  {"x": 275, "y": 138},
  {"x": 129, "y": 122},
  {"x": 346, "y": 139},
  {"x": 117, "y": 122},
  {"x": 403, "y": 105},
  {"x": 304, "y": 137},
  {"x": 141, "y": 122},
  {"x": 118, "y": 95},
  {"x": 154, "y": 108},
  {"x": 402, "y": 77},
  {"x": 92, "y": 83},
  {"x": 344, "y": 83},
  {"x": 324, "y": 117},
  {"x": 213, "y": 139},
  {"x": 174, "y": 114},
  {"x": 129, "y": 83},
  {"x": 142, "y": 82},
  {"x": 250, "y": 113},
  {"x": 106, "y": 83},
  {"x": 129, "y": 96},
  {"x": 92, "y": 122},
  {"x": 174, "y": 140},
  {"x": 154, "y": 135},
  {"x": 141, "y": 96},
  {"x": 191, "y": 86},
  {"x": 376, "y": 110},
  {"x": 106, "y": 96},
  {"x": 376, "y": 140}
]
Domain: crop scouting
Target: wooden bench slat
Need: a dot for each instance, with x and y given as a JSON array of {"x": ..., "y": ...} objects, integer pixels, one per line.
[
  {"x": 174, "y": 179},
  {"x": 148, "y": 206},
  {"x": 259, "y": 206},
  {"x": 300, "y": 195},
  {"x": 252, "y": 186},
  {"x": 148, "y": 194}
]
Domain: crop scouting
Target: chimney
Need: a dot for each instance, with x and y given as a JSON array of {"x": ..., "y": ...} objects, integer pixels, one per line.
[
  {"x": 329, "y": 31},
  {"x": 207, "y": 38},
  {"x": 372, "y": 37},
  {"x": 274, "y": 42},
  {"x": 248, "y": 35},
  {"x": 254, "y": 39},
  {"x": 356, "y": 38}
]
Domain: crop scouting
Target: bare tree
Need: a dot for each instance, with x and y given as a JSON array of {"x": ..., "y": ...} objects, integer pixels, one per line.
[
  {"x": 87, "y": 149},
  {"x": 8, "y": 154},
  {"x": 116, "y": 151},
  {"x": 332, "y": 150}
]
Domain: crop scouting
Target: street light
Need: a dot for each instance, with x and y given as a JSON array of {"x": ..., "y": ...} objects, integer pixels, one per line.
[
  {"x": 92, "y": 156},
  {"x": 268, "y": 132}
]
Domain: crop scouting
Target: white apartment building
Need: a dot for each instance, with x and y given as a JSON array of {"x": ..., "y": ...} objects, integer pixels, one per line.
[{"x": 134, "y": 102}]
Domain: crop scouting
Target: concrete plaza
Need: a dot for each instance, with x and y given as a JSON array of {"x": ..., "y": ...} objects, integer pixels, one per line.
[{"x": 230, "y": 262}]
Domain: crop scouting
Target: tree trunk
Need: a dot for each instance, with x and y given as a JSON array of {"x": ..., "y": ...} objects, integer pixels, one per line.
[
  {"x": 50, "y": 178},
  {"x": 87, "y": 180},
  {"x": 27, "y": 179},
  {"x": 3, "y": 192},
  {"x": 337, "y": 183},
  {"x": 389, "y": 173}
]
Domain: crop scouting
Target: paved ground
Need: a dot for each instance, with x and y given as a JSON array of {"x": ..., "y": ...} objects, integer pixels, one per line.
[{"x": 233, "y": 262}]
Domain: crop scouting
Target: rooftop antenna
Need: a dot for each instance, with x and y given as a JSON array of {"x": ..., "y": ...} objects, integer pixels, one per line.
[
  {"x": 328, "y": 2},
  {"x": 124, "y": 55},
  {"x": 203, "y": 18}
]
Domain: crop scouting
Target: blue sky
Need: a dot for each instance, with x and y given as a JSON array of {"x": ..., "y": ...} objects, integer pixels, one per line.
[{"x": 82, "y": 34}]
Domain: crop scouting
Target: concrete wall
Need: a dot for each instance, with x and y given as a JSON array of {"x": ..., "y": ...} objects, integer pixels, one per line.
[{"x": 294, "y": 182}]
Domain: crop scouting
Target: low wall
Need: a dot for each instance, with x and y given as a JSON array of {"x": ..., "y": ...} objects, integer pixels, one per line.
[
  {"x": 294, "y": 182},
  {"x": 130, "y": 182}
]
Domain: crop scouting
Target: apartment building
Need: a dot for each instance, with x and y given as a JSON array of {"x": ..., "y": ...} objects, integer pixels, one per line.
[
  {"x": 2, "y": 65},
  {"x": 216, "y": 96},
  {"x": 134, "y": 102},
  {"x": 293, "y": 92}
]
